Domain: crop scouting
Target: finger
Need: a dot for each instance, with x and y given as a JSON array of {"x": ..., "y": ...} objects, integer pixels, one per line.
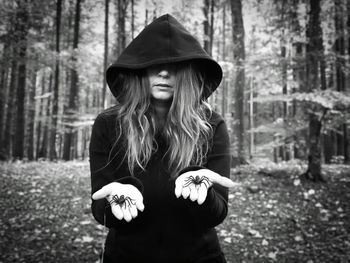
[
  {"x": 133, "y": 211},
  {"x": 194, "y": 192},
  {"x": 178, "y": 190},
  {"x": 117, "y": 211},
  {"x": 126, "y": 212},
  {"x": 138, "y": 198},
  {"x": 185, "y": 192},
  {"x": 202, "y": 194},
  {"x": 139, "y": 205},
  {"x": 102, "y": 193},
  {"x": 226, "y": 182}
]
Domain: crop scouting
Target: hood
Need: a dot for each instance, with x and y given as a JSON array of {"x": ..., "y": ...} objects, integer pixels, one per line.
[{"x": 165, "y": 40}]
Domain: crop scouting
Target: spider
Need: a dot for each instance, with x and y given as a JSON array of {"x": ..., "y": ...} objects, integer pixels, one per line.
[
  {"x": 122, "y": 200},
  {"x": 197, "y": 181}
]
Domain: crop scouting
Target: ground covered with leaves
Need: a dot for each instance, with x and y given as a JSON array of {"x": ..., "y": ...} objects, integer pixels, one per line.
[{"x": 274, "y": 216}]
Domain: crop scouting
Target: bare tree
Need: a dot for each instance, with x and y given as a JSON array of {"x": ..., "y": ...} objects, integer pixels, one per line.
[
  {"x": 314, "y": 33},
  {"x": 239, "y": 62},
  {"x": 21, "y": 37},
  {"x": 73, "y": 94},
  {"x": 53, "y": 154},
  {"x": 105, "y": 61}
]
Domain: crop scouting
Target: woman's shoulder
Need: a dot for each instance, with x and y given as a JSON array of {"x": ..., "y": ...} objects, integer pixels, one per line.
[
  {"x": 108, "y": 114},
  {"x": 106, "y": 120},
  {"x": 215, "y": 118}
]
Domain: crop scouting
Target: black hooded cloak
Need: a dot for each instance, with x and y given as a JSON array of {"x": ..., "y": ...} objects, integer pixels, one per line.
[{"x": 169, "y": 230}]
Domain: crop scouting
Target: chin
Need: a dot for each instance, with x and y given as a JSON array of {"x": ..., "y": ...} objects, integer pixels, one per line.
[{"x": 163, "y": 98}]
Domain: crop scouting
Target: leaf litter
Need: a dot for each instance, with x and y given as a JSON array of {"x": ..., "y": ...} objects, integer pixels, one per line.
[{"x": 273, "y": 217}]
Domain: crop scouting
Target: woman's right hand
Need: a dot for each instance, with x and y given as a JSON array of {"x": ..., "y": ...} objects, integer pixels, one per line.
[{"x": 124, "y": 199}]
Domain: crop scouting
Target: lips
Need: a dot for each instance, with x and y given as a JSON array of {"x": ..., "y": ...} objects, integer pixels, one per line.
[{"x": 163, "y": 85}]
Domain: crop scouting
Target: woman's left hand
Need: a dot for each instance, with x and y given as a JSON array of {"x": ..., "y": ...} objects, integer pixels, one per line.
[{"x": 195, "y": 184}]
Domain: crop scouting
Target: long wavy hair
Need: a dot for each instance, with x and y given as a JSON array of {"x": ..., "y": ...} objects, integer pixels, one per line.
[{"x": 186, "y": 130}]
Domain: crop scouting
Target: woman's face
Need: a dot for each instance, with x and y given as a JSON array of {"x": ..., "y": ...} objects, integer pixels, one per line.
[{"x": 162, "y": 81}]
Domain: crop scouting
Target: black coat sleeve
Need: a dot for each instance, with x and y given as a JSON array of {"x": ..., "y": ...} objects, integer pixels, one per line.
[
  {"x": 214, "y": 209},
  {"x": 105, "y": 169}
]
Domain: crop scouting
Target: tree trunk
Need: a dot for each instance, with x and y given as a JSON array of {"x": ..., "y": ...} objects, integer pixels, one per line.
[
  {"x": 239, "y": 61},
  {"x": 39, "y": 154},
  {"x": 211, "y": 31},
  {"x": 73, "y": 95},
  {"x": 4, "y": 95},
  {"x": 53, "y": 153},
  {"x": 314, "y": 33},
  {"x": 121, "y": 36},
  {"x": 21, "y": 32},
  {"x": 346, "y": 126},
  {"x": 339, "y": 49},
  {"x": 206, "y": 26},
  {"x": 283, "y": 148},
  {"x": 132, "y": 19},
  {"x": 105, "y": 62},
  {"x": 9, "y": 124},
  {"x": 46, "y": 135},
  {"x": 31, "y": 113},
  {"x": 223, "y": 58}
]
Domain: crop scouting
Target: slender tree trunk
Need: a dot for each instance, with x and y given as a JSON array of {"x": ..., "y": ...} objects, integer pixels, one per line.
[
  {"x": 346, "y": 126},
  {"x": 223, "y": 58},
  {"x": 339, "y": 48},
  {"x": 146, "y": 16},
  {"x": 314, "y": 33},
  {"x": 22, "y": 32},
  {"x": 284, "y": 91},
  {"x": 53, "y": 153},
  {"x": 31, "y": 113},
  {"x": 4, "y": 95},
  {"x": 104, "y": 101},
  {"x": 206, "y": 26},
  {"x": 239, "y": 61},
  {"x": 47, "y": 124},
  {"x": 9, "y": 131},
  {"x": 39, "y": 154},
  {"x": 132, "y": 19},
  {"x": 211, "y": 31},
  {"x": 121, "y": 40},
  {"x": 73, "y": 95},
  {"x": 251, "y": 118}
]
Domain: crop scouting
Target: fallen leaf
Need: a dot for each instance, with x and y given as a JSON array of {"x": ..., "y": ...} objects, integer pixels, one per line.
[
  {"x": 228, "y": 240},
  {"x": 272, "y": 255}
]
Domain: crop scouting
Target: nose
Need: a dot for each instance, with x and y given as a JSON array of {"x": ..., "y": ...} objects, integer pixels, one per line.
[{"x": 164, "y": 73}]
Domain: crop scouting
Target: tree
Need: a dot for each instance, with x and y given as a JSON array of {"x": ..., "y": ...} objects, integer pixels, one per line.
[
  {"x": 72, "y": 109},
  {"x": 314, "y": 34},
  {"x": 206, "y": 27},
  {"x": 21, "y": 32},
  {"x": 239, "y": 62},
  {"x": 105, "y": 61},
  {"x": 53, "y": 154}
]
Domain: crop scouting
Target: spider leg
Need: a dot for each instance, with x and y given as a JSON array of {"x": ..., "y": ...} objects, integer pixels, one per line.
[
  {"x": 205, "y": 180},
  {"x": 130, "y": 201},
  {"x": 187, "y": 183},
  {"x": 113, "y": 200}
]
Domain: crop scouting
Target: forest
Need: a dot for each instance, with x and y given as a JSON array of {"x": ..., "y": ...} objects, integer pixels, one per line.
[
  {"x": 285, "y": 97},
  {"x": 286, "y": 72}
]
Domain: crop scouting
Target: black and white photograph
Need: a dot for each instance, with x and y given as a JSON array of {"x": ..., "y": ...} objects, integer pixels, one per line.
[{"x": 175, "y": 131}]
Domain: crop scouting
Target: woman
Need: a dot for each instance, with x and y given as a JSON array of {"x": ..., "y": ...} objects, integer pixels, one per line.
[{"x": 159, "y": 159}]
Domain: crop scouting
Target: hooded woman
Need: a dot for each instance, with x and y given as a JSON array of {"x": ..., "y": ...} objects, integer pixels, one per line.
[{"x": 159, "y": 159}]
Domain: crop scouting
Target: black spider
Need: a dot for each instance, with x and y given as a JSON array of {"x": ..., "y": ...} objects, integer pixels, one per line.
[
  {"x": 122, "y": 200},
  {"x": 197, "y": 181}
]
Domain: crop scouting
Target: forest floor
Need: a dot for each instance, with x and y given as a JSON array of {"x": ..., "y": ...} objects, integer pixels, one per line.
[{"x": 274, "y": 217}]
